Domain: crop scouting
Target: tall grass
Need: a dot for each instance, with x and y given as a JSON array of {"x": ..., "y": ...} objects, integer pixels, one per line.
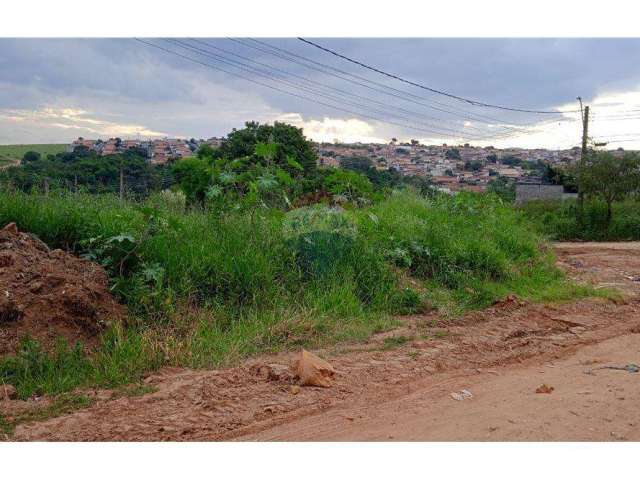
[
  {"x": 470, "y": 250},
  {"x": 560, "y": 220},
  {"x": 208, "y": 287}
]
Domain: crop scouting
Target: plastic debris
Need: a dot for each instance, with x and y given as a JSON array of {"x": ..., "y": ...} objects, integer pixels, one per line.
[
  {"x": 629, "y": 367},
  {"x": 461, "y": 395},
  {"x": 312, "y": 370}
]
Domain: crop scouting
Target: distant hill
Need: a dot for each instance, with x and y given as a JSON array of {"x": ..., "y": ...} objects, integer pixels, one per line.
[{"x": 11, "y": 154}]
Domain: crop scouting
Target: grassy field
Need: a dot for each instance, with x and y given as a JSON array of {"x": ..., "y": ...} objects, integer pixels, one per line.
[
  {"x": 207, "y": 288},
  {"x": 9, "y": 154}
]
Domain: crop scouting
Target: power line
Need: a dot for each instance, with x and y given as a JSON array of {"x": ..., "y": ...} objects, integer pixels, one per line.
[
  {"x": 365, "y": 82},
  {"x": 270, "y": 76},
  {"x": 340, "y": 91},
  {"x": 424, "y": 87},
  {"x": 208, "y": 65}
]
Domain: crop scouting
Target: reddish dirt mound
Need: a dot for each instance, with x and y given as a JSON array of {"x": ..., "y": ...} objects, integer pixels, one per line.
[{"x": 47, "y": 294}]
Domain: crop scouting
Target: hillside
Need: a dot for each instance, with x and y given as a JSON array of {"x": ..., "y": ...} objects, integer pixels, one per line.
[{"x": 10, "y": 154}]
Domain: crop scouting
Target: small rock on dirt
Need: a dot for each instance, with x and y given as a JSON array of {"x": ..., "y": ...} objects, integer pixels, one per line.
[
  {"x": 544, "y": 388},
  {"x": 312, "y": 370}
]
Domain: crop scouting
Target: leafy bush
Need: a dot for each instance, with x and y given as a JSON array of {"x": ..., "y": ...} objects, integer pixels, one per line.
[{"x": 349, "y": 186}]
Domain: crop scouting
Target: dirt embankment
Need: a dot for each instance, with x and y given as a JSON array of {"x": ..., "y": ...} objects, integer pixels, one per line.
[{"x": 47, "y": 294}]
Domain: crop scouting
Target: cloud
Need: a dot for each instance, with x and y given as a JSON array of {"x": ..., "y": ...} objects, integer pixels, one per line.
[
  {"x": 331, "y": 129},
  {"x": 51, "y": 89},
  {"x": 48, "y": 119}
]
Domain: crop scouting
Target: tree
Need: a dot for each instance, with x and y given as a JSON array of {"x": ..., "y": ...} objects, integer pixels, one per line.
[
  {"x": 351, "y": 185},
  {"x": 504, "y": 187},
  {"x": 290, "y": 141},
  {"x": 358, "y": 164},
  {"x": 205, "y": 151},
  {"x": 30, "y": 156},
  {"x": 559, "y": 176},
  {"x": 511, "y": 160},
  {"x": 602, "y": 175},
  {"x": 380, "y": 178},
  {"x": 452, "y": 154},
  {"x": 193, "y": 175},
  {"x": 474, "y": 166}
]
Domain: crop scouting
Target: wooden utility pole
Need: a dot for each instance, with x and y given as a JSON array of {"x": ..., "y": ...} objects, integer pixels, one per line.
[
  {"x": 585, "y": 132},
  {"x": 583, "y": 155},
  {"x": 46, "y": 187}
]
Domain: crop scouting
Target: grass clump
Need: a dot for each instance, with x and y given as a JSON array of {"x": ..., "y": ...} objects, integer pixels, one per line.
[{"x": 469, "y": 250}]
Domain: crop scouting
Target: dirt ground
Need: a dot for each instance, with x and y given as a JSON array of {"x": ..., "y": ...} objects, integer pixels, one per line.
[{"x": 501, "y": 356}]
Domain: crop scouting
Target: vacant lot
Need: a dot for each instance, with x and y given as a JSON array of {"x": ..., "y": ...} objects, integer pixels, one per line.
[{"x": 398, "y": 386}]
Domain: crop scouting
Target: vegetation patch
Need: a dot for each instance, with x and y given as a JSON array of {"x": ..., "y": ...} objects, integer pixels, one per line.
[{"x": 255, "y": 249}]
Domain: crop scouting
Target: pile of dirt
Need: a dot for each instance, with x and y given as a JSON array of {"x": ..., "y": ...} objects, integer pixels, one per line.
[{"x": 46, "y": 294}]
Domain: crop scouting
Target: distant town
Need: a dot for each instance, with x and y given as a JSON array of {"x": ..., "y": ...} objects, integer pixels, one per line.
[{"x": 451, "y": 167}]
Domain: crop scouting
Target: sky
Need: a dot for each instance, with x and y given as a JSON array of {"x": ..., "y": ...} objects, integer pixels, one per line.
[{"x": 54, "y": 90}]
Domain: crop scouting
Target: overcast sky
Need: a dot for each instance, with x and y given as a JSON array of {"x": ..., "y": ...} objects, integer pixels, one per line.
[{"x": 56, "y": 90}]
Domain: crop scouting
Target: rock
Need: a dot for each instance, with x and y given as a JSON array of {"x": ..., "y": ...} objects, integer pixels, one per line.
[
  {"x": 7, "y": 392},
  {"x": 544, "y": 388},
  {"x": 312, "y": 370},
  {"x": 577, "y": 330},
  {"x": 294, "y": 389},
  {"x": 272, "y": 371},
  {"x": 278, "y": 372}
]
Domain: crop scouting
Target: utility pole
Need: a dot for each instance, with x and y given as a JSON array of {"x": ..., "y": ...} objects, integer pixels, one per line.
[
  {"x": 585, "y": 132},
  {"x": 583, "y": 154},
  {"x": 46, "y": 187}
]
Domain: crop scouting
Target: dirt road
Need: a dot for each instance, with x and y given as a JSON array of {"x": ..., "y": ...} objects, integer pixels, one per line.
[{"x": 501, "y": 356}]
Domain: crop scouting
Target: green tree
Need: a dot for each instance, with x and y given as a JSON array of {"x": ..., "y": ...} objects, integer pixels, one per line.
[
  {"x": 30, "y": 156},
  {"x": 504, "y": 187},
  {"x": 350, "y": 185},
  {"x": 474, "y": 166},
  {"x": 602, "y": 175},
  {"x": 290, "y": 141},
  {"x": 205, "y": 151},
  {"x": 452, "y": 154},
  {"x": 559, "y": 176},
  {"x": 193, "y": 175}
]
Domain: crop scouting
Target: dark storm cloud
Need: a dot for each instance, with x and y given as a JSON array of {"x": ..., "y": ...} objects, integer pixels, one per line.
[{"x": 122, "y": 78}]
